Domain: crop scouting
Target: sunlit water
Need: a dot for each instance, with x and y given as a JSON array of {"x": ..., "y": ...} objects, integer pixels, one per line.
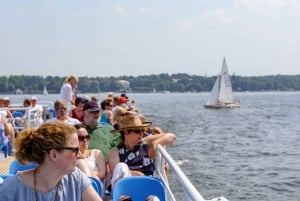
[{"x": 247, "y": 153}]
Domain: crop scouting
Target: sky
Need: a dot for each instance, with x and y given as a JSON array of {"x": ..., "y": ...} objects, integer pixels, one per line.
[{"x": 101, "y": 38}]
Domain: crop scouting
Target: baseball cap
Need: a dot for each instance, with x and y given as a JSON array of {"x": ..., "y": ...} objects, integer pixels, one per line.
[{"x": 91, "y": 106}]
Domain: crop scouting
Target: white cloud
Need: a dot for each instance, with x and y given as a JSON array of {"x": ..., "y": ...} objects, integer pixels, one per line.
[
  {"x": 121, "y": 10},
  {"x": 144, "y": 10},
  {"x": 218, "y": 17},
  {"x": 189, "y": 24}
]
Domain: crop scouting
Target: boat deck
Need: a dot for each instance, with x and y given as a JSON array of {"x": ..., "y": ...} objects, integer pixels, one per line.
[{"x": 5, "y": 163}]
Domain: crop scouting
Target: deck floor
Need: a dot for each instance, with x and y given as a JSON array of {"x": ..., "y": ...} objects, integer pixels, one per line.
[{"x": 5, "y": 163}]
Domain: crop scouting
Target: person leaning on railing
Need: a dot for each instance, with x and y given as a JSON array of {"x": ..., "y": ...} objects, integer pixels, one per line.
[{"x": 137, "y": 152}]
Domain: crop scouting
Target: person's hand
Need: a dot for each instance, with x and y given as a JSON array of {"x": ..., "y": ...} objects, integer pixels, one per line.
[{"x": 156, "y": 130}]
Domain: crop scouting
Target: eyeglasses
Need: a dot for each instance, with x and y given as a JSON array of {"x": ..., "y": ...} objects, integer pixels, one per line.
[
  {"x": 81, "y": 137},
  {"x": 62, "y": 108},
  {"x": 74, "y": 150},
  {"x": 137, "y": 130}
]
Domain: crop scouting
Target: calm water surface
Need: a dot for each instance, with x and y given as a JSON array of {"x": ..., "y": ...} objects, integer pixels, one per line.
[{"x": 248, "y": 153}]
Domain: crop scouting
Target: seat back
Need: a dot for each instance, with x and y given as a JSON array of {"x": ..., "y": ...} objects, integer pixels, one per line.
[
  {"x": 97, "y": 186},
  {"x": 15, "y": 166},
  {"x": 139, "y": 188},
  {"x": 16, "y": 114},
  {"x": 5, "y": 176},
  {"x": 52, "y": 112}
]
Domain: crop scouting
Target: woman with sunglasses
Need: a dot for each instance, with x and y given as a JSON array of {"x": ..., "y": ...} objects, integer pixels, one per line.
[
  {"x": 54, "y": 147},
  {"x": 92, "y": 161},
  {"x": 137, "y": 152}
]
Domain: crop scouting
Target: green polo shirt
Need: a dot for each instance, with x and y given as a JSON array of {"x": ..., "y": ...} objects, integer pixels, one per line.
[{"x": 103, "y": 139}]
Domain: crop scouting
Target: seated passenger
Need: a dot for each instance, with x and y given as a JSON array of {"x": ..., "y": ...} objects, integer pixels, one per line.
[
  {"x": 54, "y": 146},
  {"x": 136, "y": 151},
  {"x": 77, "y": 112},
  {"x": 61, "y": 108},
  {"x": 106, "y": 117},
  {"x": 92, "y": 161}
]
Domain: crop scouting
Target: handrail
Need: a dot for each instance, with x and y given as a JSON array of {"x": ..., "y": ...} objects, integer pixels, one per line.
[
  {"x": 189, "y": 189},
  {"x": 30, "y": 120}
]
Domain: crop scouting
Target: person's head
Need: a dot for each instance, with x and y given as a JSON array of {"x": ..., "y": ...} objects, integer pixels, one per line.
[
  {"x": 83, "y": 136},
  {"x": 73, "y": 80},
  {"x": 107, "y": 104},
  {"x": 122, "y": 100},
  {"x": 95, "y": 98},
  {"x": 61, "y": 109},
  {"x": 124, "y": 95},
  {"x": 119, "y": 113},
  {"x": 91, "y": 113},
  {"x": 33, "y": 101},
  {"x": 55, "y": 142},
  {"x": 1, "y": 102},
  {"x": 115, "y": 100},
  {"x": 26, "y": 102},
  {"x": 6, "y": 101},
  {"x": 79, "y": 102},
  {"x": 132, "y": 128}
]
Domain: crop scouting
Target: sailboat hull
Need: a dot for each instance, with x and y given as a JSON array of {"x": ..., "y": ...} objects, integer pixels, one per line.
[{"x": 223, "y": 105}]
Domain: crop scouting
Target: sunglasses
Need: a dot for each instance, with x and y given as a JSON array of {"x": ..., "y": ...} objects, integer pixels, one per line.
[
  {"x": 74, "y": 150},
  {"x": 138, "y": 130},
  {"x": 81, "y": 137}
]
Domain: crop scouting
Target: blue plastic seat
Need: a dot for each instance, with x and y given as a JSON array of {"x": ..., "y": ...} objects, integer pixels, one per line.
[
  {"x": 97, "y": 186},
  {"x": 5, "y": 176},
  {"x": 15, "y": 166},
  {"x": 17, "y": 114},
  {"x": 139, "y": 188},
  {"x": 52, "y": 112}
]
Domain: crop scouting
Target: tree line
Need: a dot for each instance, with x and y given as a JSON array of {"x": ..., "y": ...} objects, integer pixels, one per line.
[{"x": 147, "y": 83}]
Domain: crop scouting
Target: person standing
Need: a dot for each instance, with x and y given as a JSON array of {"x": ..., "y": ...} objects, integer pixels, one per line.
[{"x": 68, "y": 90}]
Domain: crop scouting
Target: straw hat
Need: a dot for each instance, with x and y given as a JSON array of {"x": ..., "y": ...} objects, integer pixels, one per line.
[{"x": 131, "y": 122}]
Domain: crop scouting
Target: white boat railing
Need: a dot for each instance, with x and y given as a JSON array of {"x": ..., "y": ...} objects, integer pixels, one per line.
[
  {"x": 29, "y": 120},
  {"x": 163, "y": 159}
]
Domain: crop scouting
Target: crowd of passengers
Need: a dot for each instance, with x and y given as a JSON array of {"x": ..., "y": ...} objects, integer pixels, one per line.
[{"x": 107, "y": 140}]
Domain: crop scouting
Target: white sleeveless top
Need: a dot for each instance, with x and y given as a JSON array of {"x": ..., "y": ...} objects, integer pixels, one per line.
[{"x": 91, "y": 160}]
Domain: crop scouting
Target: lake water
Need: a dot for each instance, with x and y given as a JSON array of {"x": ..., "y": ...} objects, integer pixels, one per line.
[{"x": 247, "y": 153}]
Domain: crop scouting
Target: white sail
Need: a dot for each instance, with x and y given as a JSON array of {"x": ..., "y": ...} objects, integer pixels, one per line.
[
  {"x": 214, "y": 94},
  {"x": 45, "y": 92},
  {"x": 225, "y": 85},
  {"x": 221, "y": 94}
]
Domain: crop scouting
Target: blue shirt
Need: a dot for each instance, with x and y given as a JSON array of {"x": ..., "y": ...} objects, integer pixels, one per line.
[{"x": 70, "y": 188}]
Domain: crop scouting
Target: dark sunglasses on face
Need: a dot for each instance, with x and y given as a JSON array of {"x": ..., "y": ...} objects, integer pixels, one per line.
[
  {"x": 81, "y": 137},
  {"x": 137, "y": 130},
  {"x": 74, "y": 150}
]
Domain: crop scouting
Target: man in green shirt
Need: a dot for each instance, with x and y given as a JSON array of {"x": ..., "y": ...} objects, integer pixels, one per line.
[{"x": 101, "y": 136}]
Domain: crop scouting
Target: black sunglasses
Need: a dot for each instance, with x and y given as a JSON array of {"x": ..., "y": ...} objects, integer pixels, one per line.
[
  {"x": 81, "y": 137},
  {"x": 137, "y": 130},
  {"x": 74, "y": 150}
]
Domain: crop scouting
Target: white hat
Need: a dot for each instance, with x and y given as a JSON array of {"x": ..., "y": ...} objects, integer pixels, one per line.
[
  {"x": 33, "y": 98},
  {"x": 6, "y": 98}
]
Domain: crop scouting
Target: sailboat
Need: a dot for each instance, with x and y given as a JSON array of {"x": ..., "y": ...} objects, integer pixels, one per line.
[
  {"x": 45, "y": 92},
  {"x": 221, "y": 94}
]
